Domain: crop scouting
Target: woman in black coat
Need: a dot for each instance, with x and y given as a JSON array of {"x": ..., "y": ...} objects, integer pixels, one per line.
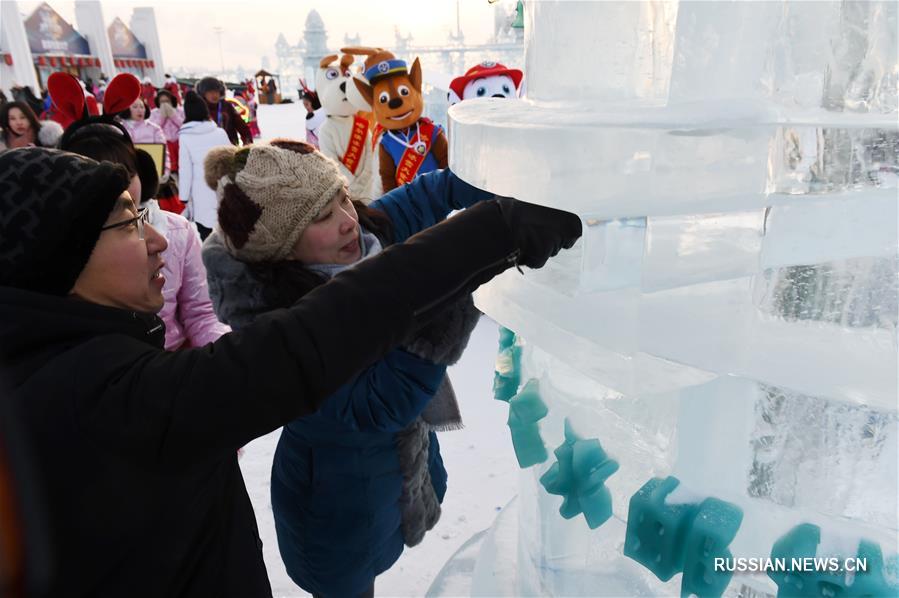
[{"x": 135, "y": 448}]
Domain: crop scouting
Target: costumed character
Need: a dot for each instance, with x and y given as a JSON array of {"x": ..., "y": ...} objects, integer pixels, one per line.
[
  {"x": 409, "y": 144},
  {"x": 486, "y": 80},
  {"x": 353, "y": 95},
  {"x": 344, "y": 137}
]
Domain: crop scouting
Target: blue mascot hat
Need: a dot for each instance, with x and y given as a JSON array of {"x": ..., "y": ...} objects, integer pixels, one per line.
[{"x": 385, "y": 68}]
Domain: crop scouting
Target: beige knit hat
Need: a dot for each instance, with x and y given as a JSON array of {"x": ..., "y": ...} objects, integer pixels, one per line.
[{"x": 268, "y": 195}]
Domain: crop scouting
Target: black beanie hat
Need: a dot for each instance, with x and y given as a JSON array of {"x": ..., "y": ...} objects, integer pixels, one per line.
[
  {"x": 210, "y": 84},
  {"x": 52, "y": 207}
]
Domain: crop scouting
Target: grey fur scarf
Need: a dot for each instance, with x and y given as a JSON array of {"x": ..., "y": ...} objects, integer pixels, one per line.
[{"x": 441, "y": 341}]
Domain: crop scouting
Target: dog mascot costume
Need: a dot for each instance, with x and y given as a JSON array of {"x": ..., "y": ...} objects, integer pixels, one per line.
[
  {"x": 345, "y": 136},
  {"x": 486, "y": 80},
  {"x": 409, "y": 144}
]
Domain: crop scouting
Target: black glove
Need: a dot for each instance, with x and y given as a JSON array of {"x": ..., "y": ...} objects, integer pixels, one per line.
[{"x": 539, "y": 232}]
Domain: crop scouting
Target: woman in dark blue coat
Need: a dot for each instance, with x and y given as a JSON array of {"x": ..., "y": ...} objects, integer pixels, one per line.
[{"x": 362, "y": 477}]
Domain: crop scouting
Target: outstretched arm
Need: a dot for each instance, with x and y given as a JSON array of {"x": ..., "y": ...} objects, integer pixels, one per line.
[
  {"x": 426, "y": 201},
  {"x": 174, "y": 410}
]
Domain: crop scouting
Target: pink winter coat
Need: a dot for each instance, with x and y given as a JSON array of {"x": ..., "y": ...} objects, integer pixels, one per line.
[
  {"x": 169, "y": 125},
  {"x": 188, "y": 315},
  {"x": 143, "y": 131}
]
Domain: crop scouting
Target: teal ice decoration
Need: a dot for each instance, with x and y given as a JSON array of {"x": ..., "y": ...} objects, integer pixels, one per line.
[
  {"x": 873, "y": 582},
  {"x": 655, "y": 531},
  {"x": 506, "y": 338},
  {"x": 507, "y": 377},
  {"x": 714, "y": 528},
  {"x": 802, "y": 542},
  {"x": 579, "y": 475},
  {"x": 674, "y": 538},
  {"x": 525, "y": 410}
]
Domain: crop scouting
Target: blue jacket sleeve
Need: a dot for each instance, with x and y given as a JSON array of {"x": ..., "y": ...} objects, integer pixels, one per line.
[
  {"x": 426, "y": 201},
  {"x": 387, "y": 396}
]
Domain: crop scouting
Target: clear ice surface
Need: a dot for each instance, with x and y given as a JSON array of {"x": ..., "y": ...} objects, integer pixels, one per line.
[{"x": 730, "y": 315}]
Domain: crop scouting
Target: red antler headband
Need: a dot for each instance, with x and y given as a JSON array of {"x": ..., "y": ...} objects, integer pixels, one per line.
[
  {"x": 122, "y": 91},
  {"x": 69, "y": 98}
]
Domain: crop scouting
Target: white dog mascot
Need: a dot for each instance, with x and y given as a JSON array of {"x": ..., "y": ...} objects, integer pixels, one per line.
[
  {"x": 345, "y": 136},
  {"x": 486, "y": 80}
]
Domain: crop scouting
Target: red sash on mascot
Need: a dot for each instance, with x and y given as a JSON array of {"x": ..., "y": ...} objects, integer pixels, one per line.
[
  {"x": 376, "y": 135},
  {"x": 356, "y": 146},
  {"x": 412, "y": 158}
]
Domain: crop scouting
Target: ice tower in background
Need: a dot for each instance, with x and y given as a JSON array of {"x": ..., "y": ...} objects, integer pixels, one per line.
[{"x": 730, "y": 315}]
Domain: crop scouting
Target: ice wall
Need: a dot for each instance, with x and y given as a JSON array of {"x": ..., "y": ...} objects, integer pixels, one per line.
[
  {"x": 281, "y": 120},
  {"x": 730, "y": 315}
]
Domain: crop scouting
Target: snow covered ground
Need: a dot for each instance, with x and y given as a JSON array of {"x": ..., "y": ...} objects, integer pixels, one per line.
[{"x": 482, "y": 478}]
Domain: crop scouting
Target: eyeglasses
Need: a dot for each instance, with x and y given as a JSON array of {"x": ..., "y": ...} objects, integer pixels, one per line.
[{"x": 142, "y": 218}]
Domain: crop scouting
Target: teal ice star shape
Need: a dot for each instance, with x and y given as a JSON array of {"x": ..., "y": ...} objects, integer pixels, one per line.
[{"x": 579, "y": 475}]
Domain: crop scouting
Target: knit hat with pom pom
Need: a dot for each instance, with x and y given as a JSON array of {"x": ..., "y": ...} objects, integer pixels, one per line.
[{"x": 268, "y": 195}]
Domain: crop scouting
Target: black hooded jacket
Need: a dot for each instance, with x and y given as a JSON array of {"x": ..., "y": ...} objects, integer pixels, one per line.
[{"x": 135, "y": 448}]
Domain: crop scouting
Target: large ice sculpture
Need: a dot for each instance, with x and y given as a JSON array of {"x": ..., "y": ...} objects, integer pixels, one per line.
[{"x": 730, "y": 316}]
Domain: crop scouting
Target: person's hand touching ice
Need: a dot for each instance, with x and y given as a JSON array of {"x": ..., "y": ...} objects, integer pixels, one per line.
[{"x": 540, "y": 232}]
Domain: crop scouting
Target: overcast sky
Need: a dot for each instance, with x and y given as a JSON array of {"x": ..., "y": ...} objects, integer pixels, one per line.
[{"x": 252, "y": 26}]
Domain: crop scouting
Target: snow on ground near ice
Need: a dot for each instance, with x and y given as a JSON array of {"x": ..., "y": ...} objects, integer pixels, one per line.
[{"x": 482, "y": 478}]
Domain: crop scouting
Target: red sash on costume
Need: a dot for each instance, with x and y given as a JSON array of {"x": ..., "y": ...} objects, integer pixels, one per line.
[
  {"x": 411, "y": 160},
  {"x": 376, "y": 135},
  {"x": 356, "y": 145}
]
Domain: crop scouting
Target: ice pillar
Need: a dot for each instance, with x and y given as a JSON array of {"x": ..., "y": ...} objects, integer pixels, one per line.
[{"x": 730, "y": 315}]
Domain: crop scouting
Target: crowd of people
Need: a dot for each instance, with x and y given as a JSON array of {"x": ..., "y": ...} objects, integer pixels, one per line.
[
  {"x": 159, "y": 116},
  {"x": 141, "y": 348}
]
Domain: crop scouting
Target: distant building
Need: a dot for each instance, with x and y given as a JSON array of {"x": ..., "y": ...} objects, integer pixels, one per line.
[
  {"x": 33, "y": 47},
  {"x": 301, "y": 59},
  {"x": 354, "y": 40}
]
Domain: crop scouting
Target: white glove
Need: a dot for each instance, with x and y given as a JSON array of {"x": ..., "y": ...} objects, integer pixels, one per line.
[{"x": 167, "y": 110}]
